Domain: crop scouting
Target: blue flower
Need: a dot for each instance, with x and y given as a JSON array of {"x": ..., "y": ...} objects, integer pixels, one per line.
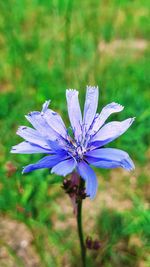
[{"x": 84, "y": 147}]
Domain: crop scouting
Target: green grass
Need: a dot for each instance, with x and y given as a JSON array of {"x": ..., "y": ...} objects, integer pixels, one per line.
[{"x": 46, "y": 47}]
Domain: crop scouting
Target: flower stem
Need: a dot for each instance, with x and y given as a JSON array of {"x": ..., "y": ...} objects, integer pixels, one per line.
[{"x": 80, "y": 232}]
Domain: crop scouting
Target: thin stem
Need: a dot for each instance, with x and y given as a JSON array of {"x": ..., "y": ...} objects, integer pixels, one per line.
[{"x": 80, "y": 232}]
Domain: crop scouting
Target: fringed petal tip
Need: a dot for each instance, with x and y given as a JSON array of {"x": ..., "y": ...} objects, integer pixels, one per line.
[
  {"x": 45, "y": 106},
  {"x": 27, "y": 169},
  {"x": 92, "y": 88},
  {"x": 132, "y": 120},
  {"x": 91, "y": 193},
  {"x": 31, "y": 113},
  {"x": 24, "y": 170},
  {"x": 13, "y": 150},
  {"x": 20, "y": 129},
  {"x": 127, "y": 164},
  {"x": 115, "y": 106},
  {"x": 71, "y": 92}
]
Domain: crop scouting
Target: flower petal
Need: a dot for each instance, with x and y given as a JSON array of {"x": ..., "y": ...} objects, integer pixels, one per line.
[
  {"x": 55, "y": 121},
  {"x": 32, "y": 136},
  {"x": 46, "y": 162},
  {"x": 40, "y": 124},
  {"x": 86, "y": 172},
  {"x": 110, "y": 158},
  {"x": 90, "y": 107},
  {"x": 74, "y": 111},
  {"x": 56, "y": 148},
  {"x": 28, "y": 148},
  {"x": 111, "y": 131},
  {"x": 102, "y": 117},
  {"x": 64, "y": 167}
]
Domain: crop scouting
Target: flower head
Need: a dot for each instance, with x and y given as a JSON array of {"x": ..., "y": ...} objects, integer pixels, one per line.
[{"x": 85, "y": 147}]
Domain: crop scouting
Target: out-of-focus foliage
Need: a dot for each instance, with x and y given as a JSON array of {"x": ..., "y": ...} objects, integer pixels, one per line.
[{"x": 48, "y": 46}]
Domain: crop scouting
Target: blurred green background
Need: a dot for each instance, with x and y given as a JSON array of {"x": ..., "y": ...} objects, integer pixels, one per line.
[{"x": 47, "y": 46}]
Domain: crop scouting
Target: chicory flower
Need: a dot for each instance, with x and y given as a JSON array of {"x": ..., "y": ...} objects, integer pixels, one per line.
[{"x": 81, "y": 149}]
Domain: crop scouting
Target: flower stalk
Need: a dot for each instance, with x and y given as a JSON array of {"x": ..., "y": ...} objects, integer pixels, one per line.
[{"x": 80, "y": 228}]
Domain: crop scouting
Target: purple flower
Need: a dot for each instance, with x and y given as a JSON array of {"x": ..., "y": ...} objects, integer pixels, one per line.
[{"x": 84, "y": 147}]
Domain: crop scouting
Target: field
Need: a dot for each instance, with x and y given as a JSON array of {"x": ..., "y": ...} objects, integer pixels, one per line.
[{"x": 45, "y": 47}]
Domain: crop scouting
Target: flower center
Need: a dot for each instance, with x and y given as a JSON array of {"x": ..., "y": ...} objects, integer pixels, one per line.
[
  {"x": 80, "y": 152},
  {"x": 75, "y": 148}
]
